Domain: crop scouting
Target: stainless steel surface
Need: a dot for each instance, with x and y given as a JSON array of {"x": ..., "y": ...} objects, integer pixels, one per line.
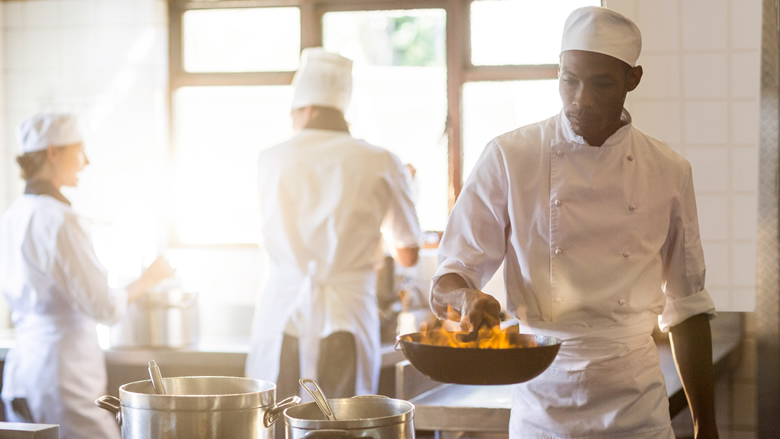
[
  {"x": 767, "y": 309},
  {"x": 13, "y": 430},
  {"x": 159, "y": 319},
  {"x": 157, "y": 381},
  {"x": 319, "y": 398},
  {"x": 378, "y": 418},
  {"x": 462, "y": 408},
  {"x": 194, "y": 408}
]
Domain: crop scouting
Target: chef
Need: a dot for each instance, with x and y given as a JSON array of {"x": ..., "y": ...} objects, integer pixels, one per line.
[
  {"x": 57, "y": 290},
  {"x": 596, "y": 224},
  {"x": 325, "y": 198}
]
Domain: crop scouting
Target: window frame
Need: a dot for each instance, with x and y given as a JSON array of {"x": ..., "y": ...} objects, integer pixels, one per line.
[{"x": 460, "y": 69}]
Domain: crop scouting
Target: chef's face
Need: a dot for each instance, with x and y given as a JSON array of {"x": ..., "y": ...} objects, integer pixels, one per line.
[
  {"x": 593, "y": 88},
  {"x": 67, "y": 162}
]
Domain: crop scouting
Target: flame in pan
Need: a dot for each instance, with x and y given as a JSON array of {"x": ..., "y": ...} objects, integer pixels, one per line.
[{"x": 492, "y": 338}]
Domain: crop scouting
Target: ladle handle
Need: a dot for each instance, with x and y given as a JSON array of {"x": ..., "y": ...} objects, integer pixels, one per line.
[
  {"x": 157, "y": 381},
  {"x": 319, "y": 397}
]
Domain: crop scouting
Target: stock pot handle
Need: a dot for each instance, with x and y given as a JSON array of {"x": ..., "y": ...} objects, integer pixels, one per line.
[
  {"x": 328, "y": 434},
  {"x": 112, "y": 404},
  {"x": 272, "y": 414}
]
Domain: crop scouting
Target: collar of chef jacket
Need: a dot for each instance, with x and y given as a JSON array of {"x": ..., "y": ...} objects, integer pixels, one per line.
[{"x": 37, "y": 186}]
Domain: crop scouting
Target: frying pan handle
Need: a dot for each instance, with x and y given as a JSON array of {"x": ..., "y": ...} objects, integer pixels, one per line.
[
  {"x": 330, "y": 434},
  {"x": 272, "y": 414},
  {"x": 112, "y": 404}
]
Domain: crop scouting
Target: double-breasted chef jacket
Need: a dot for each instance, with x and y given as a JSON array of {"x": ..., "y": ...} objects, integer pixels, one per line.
[
  {"x": 325, "y": 197},
  {"x": 598, "y": 244},
  {"x": 57, "y": 291}
]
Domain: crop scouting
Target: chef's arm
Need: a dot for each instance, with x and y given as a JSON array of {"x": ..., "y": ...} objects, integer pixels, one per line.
[
  {"x": 692, "y": 350},
  {"x": 453, "y": 299},
  {"x": 407, "y": 256},
  {"x": 159, "y": 270}
]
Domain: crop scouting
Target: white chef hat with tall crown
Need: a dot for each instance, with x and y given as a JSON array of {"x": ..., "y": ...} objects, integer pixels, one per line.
[
  {"x": 602, "y": 30},
  {"x": 324, "y": 79},
  {"x": 48, "y": 128}
]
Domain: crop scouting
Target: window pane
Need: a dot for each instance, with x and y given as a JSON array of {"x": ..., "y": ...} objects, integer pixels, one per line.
[
  {"x": 220, "y": 132},
  {"x": 399, "y": 98},
  {"x": 241, "y": 40},
  {"x": 507, "y": 32},
  {"x": 494, "y": 108}
]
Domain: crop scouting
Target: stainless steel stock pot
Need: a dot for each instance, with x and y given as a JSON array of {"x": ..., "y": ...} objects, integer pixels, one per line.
[
  {"x": 208, "y": 407},
  {"x": 368, "y": 416}
]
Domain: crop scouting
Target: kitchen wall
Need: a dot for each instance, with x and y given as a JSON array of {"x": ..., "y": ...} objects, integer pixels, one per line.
[
  {"x": 107, "y": 61},
  {"x": 700, "y": 92}
]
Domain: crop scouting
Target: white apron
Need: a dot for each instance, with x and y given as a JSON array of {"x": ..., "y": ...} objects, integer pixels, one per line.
[
  {"x": 590, "y": 391},
  {"x": 57, "y": 391},
  {"x": 319, "y": 307}
]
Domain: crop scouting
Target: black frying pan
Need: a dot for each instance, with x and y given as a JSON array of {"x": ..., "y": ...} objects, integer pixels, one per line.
[{"x": 529, "y": 357}]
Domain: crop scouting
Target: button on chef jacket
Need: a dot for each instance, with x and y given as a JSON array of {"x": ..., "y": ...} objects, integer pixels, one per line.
[
  {"x": 57, "y": 290},
  {"x": 325, "y": 197},
  {"x": 597, "y": 243}
]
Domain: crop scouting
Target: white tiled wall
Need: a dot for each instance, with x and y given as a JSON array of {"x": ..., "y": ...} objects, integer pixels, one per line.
[
  {"x": 107, "y": 62},
  {"x": 700, "y": 93}
]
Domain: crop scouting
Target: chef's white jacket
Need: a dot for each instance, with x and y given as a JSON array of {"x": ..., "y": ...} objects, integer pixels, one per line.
[
  {"x": 57, "y": 290},
  {"x": 597, "y": 243},
  {"x": 325, "y": 197}
]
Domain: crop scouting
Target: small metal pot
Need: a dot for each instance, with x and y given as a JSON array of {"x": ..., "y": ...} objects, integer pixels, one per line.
[
  {"x": 371, "y": 416},
  {"x": 159, "y": 319},
  {"x": 194, "y": 408}
]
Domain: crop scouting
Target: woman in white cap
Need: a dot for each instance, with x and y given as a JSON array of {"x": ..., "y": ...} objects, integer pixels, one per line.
[
  {"x": 596, "y": 224},
  {"x": 57, "y": 290},
  {"x": 324, "y": 198}
]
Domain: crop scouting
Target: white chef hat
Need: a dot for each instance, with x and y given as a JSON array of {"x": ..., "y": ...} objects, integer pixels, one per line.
[
  {"x": 48, "y": 128},
  {"x": 324, "y": 79},
  {"x": 602, "y": 30}
]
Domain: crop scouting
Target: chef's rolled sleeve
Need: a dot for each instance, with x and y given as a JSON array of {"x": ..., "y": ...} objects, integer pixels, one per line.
[{"x": 684, "y": 267}]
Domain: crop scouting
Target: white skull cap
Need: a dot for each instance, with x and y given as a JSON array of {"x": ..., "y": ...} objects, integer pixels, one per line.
[
  {"x": 602, "y": 30},
  {"x": 48, "y": 128},
  {"x": 324, "y": 79}
]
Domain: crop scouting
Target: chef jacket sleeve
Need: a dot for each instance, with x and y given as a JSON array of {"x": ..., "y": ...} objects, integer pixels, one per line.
[
  {"x": 83, "y": 277},
  {"x": 474, "y": 241},
  {"x": 401, "y": 217},
  {"x": 683, "y": 260}
]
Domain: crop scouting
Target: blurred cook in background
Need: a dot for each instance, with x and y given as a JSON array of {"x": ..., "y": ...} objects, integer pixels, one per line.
[
  {"x": 324, "y": 197},
  {"x": 57, "y": 289}
]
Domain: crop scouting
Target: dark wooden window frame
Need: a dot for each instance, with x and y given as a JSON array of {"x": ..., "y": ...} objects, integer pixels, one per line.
[{"x": 460, "y": 70}]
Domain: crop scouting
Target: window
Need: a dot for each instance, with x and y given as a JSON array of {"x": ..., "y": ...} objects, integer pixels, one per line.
[
  {"x": 400, "y": 92},
  {"x": 434, "y": 81}
]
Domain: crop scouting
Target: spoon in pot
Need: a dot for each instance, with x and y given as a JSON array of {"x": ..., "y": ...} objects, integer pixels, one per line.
[
  {"x": 157, "y": 381},
  {"x": 319, "y": 397}
]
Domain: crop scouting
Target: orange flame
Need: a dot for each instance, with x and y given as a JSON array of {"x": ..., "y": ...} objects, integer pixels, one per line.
[{"x": 485, "y": 338}]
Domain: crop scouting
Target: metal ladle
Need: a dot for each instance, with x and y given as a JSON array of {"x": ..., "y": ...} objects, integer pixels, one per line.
[
  {"x": 319, "y": 397},
  {"x": 157, "y": 381}
]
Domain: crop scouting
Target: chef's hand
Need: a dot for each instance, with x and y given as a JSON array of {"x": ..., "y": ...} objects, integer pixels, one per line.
[
  {"x": 479, "y": 310},
  {"x": 159, "y": 270},
  {"x": 453, "y": 299}
]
